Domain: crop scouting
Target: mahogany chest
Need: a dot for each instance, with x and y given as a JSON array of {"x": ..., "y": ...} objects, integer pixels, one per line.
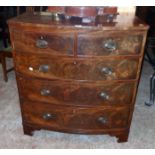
[{"x": 77, "y": 77}]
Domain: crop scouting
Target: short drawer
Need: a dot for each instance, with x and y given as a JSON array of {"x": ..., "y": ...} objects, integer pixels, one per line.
[
  {"x": 75, "y": 68},
  {"x": 110, "y": 43},
  {"x": 37, "y": 42},
  {"x": 76, "y": 93},
  {"x": 77, "y": 119}
]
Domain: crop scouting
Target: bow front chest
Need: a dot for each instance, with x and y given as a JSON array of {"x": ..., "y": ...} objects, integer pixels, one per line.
[{"x": 77, "y": 77}]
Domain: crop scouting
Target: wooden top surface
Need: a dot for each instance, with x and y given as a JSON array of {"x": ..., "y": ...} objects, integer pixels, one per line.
[{"x": 122, "y": 22}]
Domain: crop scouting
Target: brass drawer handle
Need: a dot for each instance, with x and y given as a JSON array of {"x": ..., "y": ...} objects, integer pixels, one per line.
[
  {"x": 44, "y": 68},
  {"x": 104, "y": 96},
  {"x": 45, "y": 92},
  {"x": 48, "y": 116},
  {"x": 110, "y": 45},
  {"x": 102, "y": 120},
  {"x": 31, "y": 69},
  {"x": 106, "y": 70},
  {"x": 41, "y": 43}
]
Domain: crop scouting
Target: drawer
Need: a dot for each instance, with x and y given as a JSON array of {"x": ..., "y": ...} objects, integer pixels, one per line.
[
  {"x": 53, "y": 43},
  {"x": 76, "y": 93},
  {"x": 77, "y": 119},
  {"x": 110, "y": 43},
  {"x": 77, "y": 68}
]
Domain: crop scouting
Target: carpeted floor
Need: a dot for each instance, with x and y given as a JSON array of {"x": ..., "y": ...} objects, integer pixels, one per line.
[{"x": 142, "y": 133}]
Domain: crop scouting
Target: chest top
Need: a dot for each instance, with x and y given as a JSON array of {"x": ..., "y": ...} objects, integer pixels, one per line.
[{"x": 122, "y": 22}]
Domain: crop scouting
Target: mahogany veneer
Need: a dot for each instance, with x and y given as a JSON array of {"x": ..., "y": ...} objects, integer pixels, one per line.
[{"x": 76, "y": 77}]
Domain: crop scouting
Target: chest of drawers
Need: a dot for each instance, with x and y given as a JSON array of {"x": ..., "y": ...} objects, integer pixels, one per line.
[{"x": 77, "y": 78}]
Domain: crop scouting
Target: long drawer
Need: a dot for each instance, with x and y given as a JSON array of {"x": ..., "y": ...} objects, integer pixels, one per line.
[
  {"x": 97, "y": 69},
  {"x": 73, "y": 118},
  {"x": 76, "y": 93},
  {"x": 41, "y": 42}
]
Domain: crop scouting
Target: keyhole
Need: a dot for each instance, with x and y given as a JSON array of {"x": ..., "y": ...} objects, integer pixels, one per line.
[{"x": 74, "y": 62}]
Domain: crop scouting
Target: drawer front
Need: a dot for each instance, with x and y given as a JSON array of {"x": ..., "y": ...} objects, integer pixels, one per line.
[
  {"x": 58, "y": 44},
  {"x": 76, "y": 93},
  {"x": 75, "y": 118},
  {"x": 77, "y": 69},
  {"x": 110, "y": 43}
]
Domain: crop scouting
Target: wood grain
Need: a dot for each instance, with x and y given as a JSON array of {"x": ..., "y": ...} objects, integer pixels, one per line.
[
  {"x": 76, "y": 93},
  {"x": 75, "y": 118},
  {"x": 94, "y": 43},
  {"x": 57, "y": 43},
  {"x": 76, "y": 68}
]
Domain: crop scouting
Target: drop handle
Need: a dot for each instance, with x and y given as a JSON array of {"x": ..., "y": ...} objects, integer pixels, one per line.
[
  {"x": 104, "y": 96},
  {"x": 48, "y": 116},
  {"x": 43, "y": 68},
  {"x": 31, "y": 69},
  {"x": 106, "y": 70},
  {"x": 102, "y": 120},
  {"x": 110, "y": 45},
  {"x": 41, "y": 43},
  {"x": 45, "y": 92}
]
